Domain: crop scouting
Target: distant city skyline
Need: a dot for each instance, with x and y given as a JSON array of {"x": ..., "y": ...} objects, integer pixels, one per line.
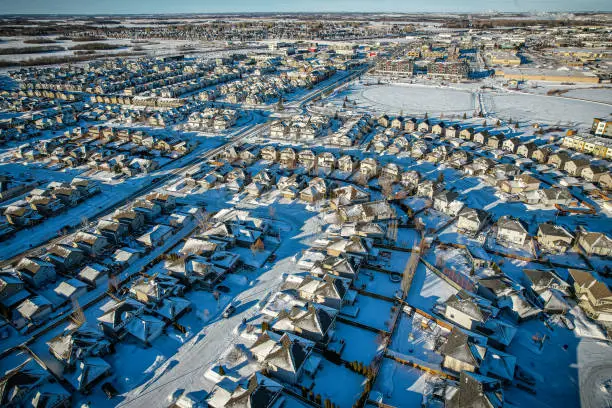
[{"x": 233, "y": 6}]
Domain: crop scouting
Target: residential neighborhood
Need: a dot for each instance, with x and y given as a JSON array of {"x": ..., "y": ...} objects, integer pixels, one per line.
[{"x": 261, "y": 210}]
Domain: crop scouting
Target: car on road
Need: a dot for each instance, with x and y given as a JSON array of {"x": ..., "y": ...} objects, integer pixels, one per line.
[{"x": 230, "y": 310}]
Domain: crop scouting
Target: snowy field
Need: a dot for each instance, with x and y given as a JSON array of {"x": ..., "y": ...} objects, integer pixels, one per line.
[
  {"x": 418, "y": 99},
  {"x": 545, "y": 109},
  {"x": 591, "y": 94}
]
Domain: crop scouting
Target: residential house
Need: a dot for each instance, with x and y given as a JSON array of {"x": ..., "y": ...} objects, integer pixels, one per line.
[
  {"x": 574, "y": 167},
  {"x": 540, "y": 155},
  {"x": 594, "y": 296},
  {"x": 93, "y": 245},
  {"x": 346, "y": 164},
  {"x": 64, "y": 257},
  {"x": 554, "y": 238},
  {"x": 555, "y": 195},
  {"x": 462, "y": 353},
  {"x": 313, "y": 322},
  {"x": 559, "y": 159},
  {"x": 35, "y": 271},
  {"x": 133, "y": 219},
  {"x": 115, "y": 232},
  {"x": 315, "y": 191},
  {"x": 426, "y": 188},
  {"x": 495, "y": 141},
  {"x": 94, "y": 274},
  {"x": 547, "y": 290},
  {"x": 526, "y": 149},
  {"x": 476, "y": 390},
  {"x": 482, "y": 138},
  {"x": 471, "y": 220},
  {"x": 593, "y": 173},
  {"x": 307, "y": 159},
  {"x": 595, "y": 243},
  {"x": 288, "y": 158},
  {"x": 447, "y": 202},
  {"x": 511, "y": 145},
  {"x": 30, "y": 385},
  {"x": 282, "y": 356},
  {"x": 269, "y": 153},
  {"x": 35, "y": 310},
  {"x": 511, "y": 231}
]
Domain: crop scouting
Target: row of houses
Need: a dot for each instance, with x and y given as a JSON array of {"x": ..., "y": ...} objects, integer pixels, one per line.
[
  {"x": 47, "y": 201},
  {"x": 300, "y": 128},
  {"x": 212, "y": 119},
  {"x": 119, "y": 150},
  {"x": 92, "y": 257}
]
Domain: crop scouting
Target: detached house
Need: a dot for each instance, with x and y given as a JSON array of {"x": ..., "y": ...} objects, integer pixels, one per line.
[
  {"x": 461, "y": 353},
  {"x": 447, "y": 202},
  {"x": 476, "y": 390},
  {"x": 593, "y": 173},
  {"x": 65, "y": 257},
  {"x": 346, "y": 164},
  {"x": 594, "y": 296},
  {"x": 269, "y": 153},
  {"x": 35, "y": 271},
  {"x": 559, "y": 159},
  {"x": 547, "y": 290},
  {"x": 288, "y": 158},
  {"x": 554, "y": 238},
  {"x": 282, "y": 356},
  {"x": 540, "y": 155},
  {"x": 574, "y": 167},
  {"x": 471, "y": 220},
  {"x": 526, "y": 149},
  {"x": 314, "y": 323},
  {"x": 92, "y": 244},
  {"x": 595, "y": 243},
  {"x": 511, "y": 231}
]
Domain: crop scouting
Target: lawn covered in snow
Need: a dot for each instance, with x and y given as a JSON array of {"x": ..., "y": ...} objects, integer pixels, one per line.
[
  {"x": 427, "y": 289},
  {"x": 373, "y": 312},
  {"x": 363, "y": 350},
  {"x": 400, "y": 385}
]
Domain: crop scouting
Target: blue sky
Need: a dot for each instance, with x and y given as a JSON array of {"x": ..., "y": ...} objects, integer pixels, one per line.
[{"x": 214, "y": 6}]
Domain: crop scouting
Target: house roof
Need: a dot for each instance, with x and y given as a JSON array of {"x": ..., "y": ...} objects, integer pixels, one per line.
[
  {"x": 476, "y": 391},
  {"x": 460, "y": 348}
]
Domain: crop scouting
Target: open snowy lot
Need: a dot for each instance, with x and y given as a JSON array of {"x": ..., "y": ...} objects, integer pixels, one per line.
[
  {"x": 545, "y": 109},
  {"x": 591, "y": 94},
  {"x": 415, "y": 99},
  {"x": 418, "y": 99}
]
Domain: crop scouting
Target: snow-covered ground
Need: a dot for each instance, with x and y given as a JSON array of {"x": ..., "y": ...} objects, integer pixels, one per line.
[
  {"x": 430, "y": 97},
  {"x": 363, "y": 350},
  {"x": 427, "y": 289},
  {"x": 401, "y": 386}
]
